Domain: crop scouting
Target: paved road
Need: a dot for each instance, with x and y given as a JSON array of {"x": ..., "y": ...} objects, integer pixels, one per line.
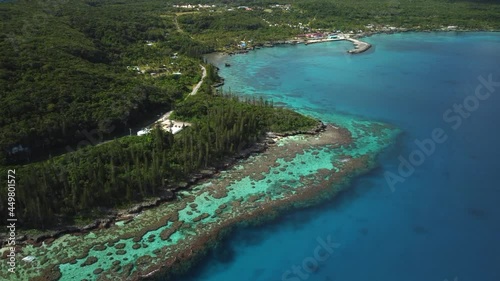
[
  {"x": 165, "y": 116},
  {"x": 164, "y": 119},
  {"x": 197, "y": 87}
]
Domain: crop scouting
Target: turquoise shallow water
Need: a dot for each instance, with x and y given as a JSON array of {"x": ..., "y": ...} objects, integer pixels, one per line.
[
  {"x": 154, "y": 236},
  {"x": 291, "y": 173},
  {"x": 442, "y": 222}
]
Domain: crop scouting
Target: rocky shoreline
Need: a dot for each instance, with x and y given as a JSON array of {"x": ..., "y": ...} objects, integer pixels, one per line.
[
  {"x": 250, "y": 209},
  {"x": 166, "y": 195},
  {"x": 295, "y": 169}
]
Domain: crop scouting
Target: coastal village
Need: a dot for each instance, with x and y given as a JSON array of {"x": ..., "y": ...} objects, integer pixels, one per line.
[
  {"x": 317, "y": 36},
  {"x": 307, "y": 34}
]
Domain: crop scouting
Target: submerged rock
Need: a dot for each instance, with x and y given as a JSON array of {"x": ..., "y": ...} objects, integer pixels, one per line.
[{"x": 89, "y": 261}]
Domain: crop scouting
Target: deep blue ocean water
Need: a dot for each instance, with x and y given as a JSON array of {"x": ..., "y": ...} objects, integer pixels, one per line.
[{"x": 442, "y": 222}]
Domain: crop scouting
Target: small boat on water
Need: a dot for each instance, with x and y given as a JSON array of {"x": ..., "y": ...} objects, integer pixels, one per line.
[{"x": 227, "y": 64}]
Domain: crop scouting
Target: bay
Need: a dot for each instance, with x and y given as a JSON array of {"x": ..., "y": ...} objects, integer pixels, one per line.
[{"x": 442, "y": 221}]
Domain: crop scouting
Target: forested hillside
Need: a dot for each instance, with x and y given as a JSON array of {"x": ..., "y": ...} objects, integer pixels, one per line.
[
  {"x": 75, "y": 70},
  {"x": 267, "y": 18},
  {"x": 69, "y": 66}
]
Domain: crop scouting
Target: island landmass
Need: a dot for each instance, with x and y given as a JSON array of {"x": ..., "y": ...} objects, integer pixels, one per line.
[{"x": 111, "y": 186}]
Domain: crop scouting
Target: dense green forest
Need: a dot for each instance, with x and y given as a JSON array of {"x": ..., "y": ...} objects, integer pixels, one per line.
[
  {"x": 415, "y": 14},
  {"x": 76, "y": 70},
  {"x": 67, "y": 67},
  {"x": 132, "y": 168},
  {"x": 278, "y": 20}
]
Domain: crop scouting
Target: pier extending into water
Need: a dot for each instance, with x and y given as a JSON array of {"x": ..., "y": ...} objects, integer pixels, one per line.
[
  {"x": 322, "y": 40},
  {"x": 359, "y": 46}
]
